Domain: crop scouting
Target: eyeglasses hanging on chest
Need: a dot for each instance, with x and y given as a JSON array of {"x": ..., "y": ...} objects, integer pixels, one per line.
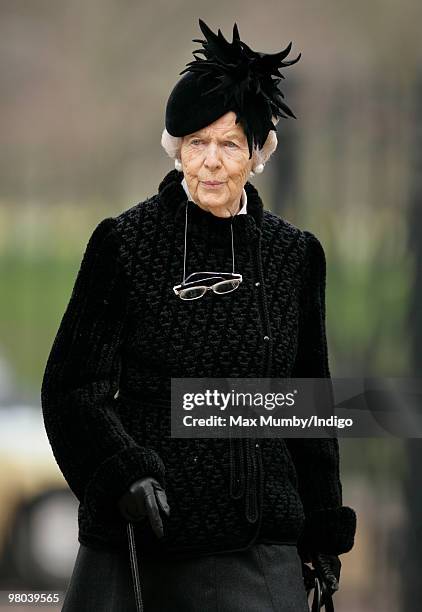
[{"x": 197, "y": 284}]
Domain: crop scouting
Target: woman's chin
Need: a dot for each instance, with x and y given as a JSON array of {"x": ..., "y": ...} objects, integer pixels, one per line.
[
  {"x": 216, "y": 208},
  {"x": 212, "y": 203}
]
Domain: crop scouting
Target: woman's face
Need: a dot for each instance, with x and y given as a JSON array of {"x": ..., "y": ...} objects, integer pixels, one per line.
[{"x": 216, "y": 165}]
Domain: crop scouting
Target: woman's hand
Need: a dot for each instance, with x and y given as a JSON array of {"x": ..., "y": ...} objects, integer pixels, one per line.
[
  {"x": 144, "y": 499},
  {"x": 327, "y": 568}
]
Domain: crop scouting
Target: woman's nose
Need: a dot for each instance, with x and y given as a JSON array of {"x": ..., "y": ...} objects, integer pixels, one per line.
[{"x": 212, "y": 157}]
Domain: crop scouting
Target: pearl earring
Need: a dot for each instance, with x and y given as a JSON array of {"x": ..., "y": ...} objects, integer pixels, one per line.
[
  {"x": 258, "y": 169},
  {"x": 178, "y": 165}
]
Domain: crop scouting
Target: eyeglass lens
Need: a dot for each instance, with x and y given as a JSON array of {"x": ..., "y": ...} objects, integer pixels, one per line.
[{"x": 226, "y": 286}]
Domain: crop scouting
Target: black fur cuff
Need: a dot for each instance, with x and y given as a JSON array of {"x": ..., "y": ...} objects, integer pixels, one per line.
[
  {"x": 331, "y": 531},
  {"x": 115, "y": 475}
]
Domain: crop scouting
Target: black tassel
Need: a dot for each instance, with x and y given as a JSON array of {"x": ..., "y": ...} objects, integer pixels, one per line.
[{"x": 244, "y": 475}]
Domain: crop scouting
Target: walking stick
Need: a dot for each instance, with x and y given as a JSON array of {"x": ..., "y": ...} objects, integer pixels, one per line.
[{"x": 134, "y": 568}]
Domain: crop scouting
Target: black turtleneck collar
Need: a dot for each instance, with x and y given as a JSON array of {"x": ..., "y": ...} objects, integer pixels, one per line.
[{"x": 173, "y": 198}]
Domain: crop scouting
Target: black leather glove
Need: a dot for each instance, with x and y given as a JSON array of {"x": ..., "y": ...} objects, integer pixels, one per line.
[
  {"x": 144, "y": 500},
  {"x": 308, "y": 577},
  {"x": 327, "y": 568}
]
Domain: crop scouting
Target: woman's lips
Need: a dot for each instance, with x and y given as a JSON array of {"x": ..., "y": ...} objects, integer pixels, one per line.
[{"x": 212, "y": 183}]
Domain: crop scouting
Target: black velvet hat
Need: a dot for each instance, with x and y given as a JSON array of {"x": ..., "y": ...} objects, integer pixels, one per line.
[{"x": 230, "y": 77}]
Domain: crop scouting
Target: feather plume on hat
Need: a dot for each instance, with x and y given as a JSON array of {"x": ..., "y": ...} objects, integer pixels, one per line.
[{"x": 230, "y": 76}]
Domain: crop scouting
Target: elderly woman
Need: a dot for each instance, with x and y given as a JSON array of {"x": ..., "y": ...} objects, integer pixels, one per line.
[{"x": 198, "y": 280}]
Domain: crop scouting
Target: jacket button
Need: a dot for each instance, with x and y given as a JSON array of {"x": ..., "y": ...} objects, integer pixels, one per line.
[
  {"x": 257, "y": 284},
  {"x": 266, "y": 337},
  {"x": 257, "y": 445}
]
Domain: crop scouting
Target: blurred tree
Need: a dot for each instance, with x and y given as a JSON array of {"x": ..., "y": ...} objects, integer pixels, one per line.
[{"x": 412, "y": 593}]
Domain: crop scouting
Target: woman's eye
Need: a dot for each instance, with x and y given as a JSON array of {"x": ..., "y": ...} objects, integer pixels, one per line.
[
  {"x": 231, "y": 145},
  {"x": 196, "y": 141}
]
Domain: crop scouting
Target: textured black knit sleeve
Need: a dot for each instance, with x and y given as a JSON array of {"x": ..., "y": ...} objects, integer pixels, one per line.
[
  {"x": 97, "y": 457},
  {"x": 329, "y": 526}
]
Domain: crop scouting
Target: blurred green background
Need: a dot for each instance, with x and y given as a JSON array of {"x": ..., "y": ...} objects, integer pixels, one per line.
[{"x": 82, "y": 98}]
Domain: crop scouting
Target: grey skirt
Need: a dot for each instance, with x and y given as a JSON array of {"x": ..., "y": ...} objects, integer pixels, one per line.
[{"x": 263, "y": 578}]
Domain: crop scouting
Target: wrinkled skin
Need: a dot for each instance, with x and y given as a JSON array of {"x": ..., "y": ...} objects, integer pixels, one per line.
[{"x": 218, "y": 152}]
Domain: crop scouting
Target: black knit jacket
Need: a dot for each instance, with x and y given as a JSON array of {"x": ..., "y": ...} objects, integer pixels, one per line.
[{"x": 106, "y": 387}]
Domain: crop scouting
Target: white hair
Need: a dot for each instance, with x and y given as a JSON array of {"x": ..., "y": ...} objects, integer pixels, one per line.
[{"x": 173, "y": 144}]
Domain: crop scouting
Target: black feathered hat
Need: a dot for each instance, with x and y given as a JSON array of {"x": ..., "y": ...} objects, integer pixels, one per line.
[{"x": 230, "y": 77}]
